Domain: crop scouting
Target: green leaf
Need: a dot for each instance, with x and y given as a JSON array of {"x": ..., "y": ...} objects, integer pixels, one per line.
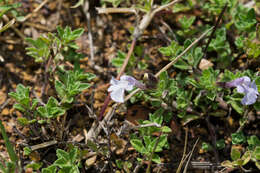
[
  {"x": 88, "y": 76},
  {"x": 4, "y": 8},
  {"x": 239, "y": 42},
  {"x": 50, "y": 169},
  {"x": 42, "y": 111},
  {"x": 34, "y": 166},
  {"x": 60, "y": 88},
  {"x": 40, "y": 48},
  {"x": 188, "y": 118},
  {"x": 157, "y": 116},
  {"x": 60, "y": 31},
  {"x": 163, "y": 143},
  {"x": 256, "y": 153},
  {"x": 34, "y": 104},
  {"x": 235, "y": 154},
  {"x": 76, "y": 33},
  {"x": 227, "y": 164},
  {"x": 73, "y": 154},
  {"x": 220, "y": 144},
  {"x": 119, "y": 164},
  {"x": 83, "y": 86},
  {"x": 244, "y": 19},
  {"x": 52, "y": 102},
  {"x": 238, "y": 138},
  {"x": 181, "y": 64},
  {"x": 257, "y": 164},
  {"x": 21, "y": 96},
  {"x": 63, "y": 158},
  {"x": 119, "y": 60},
  {"x": 9, "y": 147},
  {"x": 79, "y": 3},
  {"x": 147, "y": 140},
  {"x": 23, "y": 121},
  {"x": 246, "y": 157},
  {"x": 27, "y": 151},
  {"x": 173, "y": 50},
  {"x": 206, "y": 146},
  {"x": 138, "y": 145},
  {"x": 151, "y": 146},
  {"x": 166, "y": 129},
  {"x": 167, "y": 116},
  {"x": 252, "y": 48},
  {"x": 51, "y": 109},
  {"x": 178, "y": 7},
  {"x": 186, "y": 22},
  {"x": 253, "y": 141},
  {"x": 19, "y": 107},
  {"x": 70, "y": 84},
  {"x": 236, "y": 105},
  {"x": 238, "y": 162},
  {"x": 156, "y": 159},
  {"x": 67, "y": 161}
]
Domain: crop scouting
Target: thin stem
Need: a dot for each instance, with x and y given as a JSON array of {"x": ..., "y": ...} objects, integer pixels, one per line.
[
  {"x": 184, "y": 151},
  {"x": 63, "y": 121},
  {"x": 88, "y": 18},
  {"x": 186, "y": 166},
  {"x": 127, "y": 59},
  {"x": 214, "y": 30},
  {"x": 35, "y": 10},
  {"x": 151, "y": 156},
  {"x": 107, "y": 100},
  {"x": 102, "y": 111},
  {"x": 185, "y": 51},
  {"x": 115, "y": 10},
  {"x": 165, "y": 6},
  {"x": 245, "y": 116}
]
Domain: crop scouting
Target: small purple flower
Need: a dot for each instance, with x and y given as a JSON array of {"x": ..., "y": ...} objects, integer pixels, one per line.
[
  {"x": 244, "y": 85},
  {"x": 118, "y": 87}
]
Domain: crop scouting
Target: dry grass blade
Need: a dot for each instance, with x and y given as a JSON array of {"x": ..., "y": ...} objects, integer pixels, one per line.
[
  {"x": 43, "y": 145},
  {"x": 115, "y": 10},
  {"x": 35, "y": 10},
  {"x": 185, "y": 51},
  {"x": 187, "y": 164},
  {"x": 184, "y": 151},
  {"x": 6, "y": 26}
]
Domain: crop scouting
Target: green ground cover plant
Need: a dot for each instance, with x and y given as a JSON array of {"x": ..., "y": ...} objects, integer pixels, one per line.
[{"x": 199, "y": 82}]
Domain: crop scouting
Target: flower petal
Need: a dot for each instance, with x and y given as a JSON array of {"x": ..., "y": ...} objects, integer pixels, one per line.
[
  {"x": 246, "y": 80},
  {"x": 118, "y": 95},
  {"x": 113, "y": 87},
  {"x": 235, "y": 82},
  {"x": 250, "y": 97},
  {"x": 253, "y": 85},
  {"x": 131, "y": 80},
  {"x": 113, "y": 81},
  {"x": 241, "y": 88}
]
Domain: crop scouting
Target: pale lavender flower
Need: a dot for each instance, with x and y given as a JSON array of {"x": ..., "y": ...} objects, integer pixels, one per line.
[
  {"x": 118, "y": 87},
  {"x": 244, "y": 85}
]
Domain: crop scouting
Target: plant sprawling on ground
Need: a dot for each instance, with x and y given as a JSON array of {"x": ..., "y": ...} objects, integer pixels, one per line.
[{"x": 208, "y": 85}]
